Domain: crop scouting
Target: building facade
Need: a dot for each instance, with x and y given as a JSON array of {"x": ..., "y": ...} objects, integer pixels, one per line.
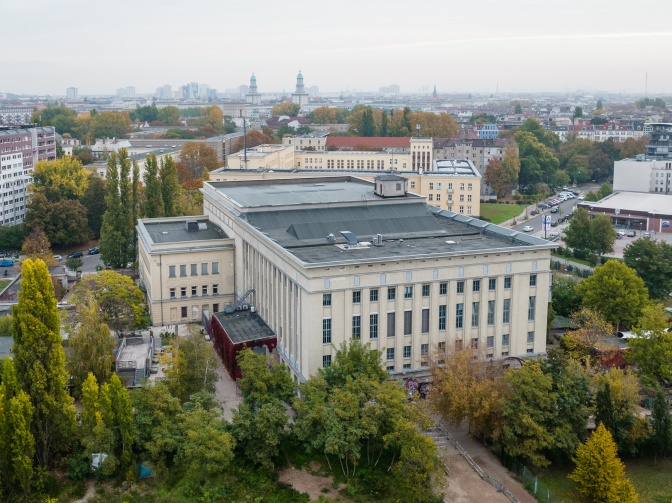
[
  {"x": 643, "y": 175},
  {"x": 660, "y": 145},
  {"x": 632, "y": 210},
  {"x": 20, "y": 150},
  {"x": 331, "y": 260},
  {"x": 300, "y": 96},
  {"x": 15, "y": 116}
]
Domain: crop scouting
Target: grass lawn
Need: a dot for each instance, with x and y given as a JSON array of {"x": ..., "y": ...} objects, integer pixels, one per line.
[
  {"x": 498, "y": 213},
  {"x": 4, "y": 283},
  {"x": 571, "y": 259},
  {"x": 652, "y": 481}
]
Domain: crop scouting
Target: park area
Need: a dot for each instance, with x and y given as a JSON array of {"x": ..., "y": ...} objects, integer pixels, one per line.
[{"x": 498, "y": 213}]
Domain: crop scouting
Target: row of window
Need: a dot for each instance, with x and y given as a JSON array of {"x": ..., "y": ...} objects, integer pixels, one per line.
[
  {"x": 194, "y": 291},
  {"x": 424, "y": 349},
  {"x": 450, "y": 186},
  {"x": 194, "y": 269},
  {"x": 425, "y": 289},
  {"x": 408, "y": 319}
]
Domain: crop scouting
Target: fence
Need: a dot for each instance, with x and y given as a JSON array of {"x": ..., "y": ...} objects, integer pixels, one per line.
[
  {"x": 534, "y": 486},
  {"x": 493, "y": 482}
]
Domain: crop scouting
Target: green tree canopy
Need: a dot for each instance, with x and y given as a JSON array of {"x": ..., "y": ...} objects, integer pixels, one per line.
[
  {"x": 110, "y": 125},
  {"x": 566, "y": 300},
  {"x": 170, "y": 116},
  {"x": 285, "y": 108},
  {"x": 593, "y": 237},
  {"x": 94, "y": 202},
  {"x": 537, "y": 162},
  {"x": 63, "y": 178},
  {"x": 652, "y": 260}
]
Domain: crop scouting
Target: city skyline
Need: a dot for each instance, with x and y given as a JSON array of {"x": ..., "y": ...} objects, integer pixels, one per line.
[{"x": 521, "y": 47}]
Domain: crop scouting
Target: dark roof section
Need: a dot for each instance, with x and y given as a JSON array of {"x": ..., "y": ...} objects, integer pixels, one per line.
[
  {"x": 244, "y": 326},
  {"x": 389, "y": 178},
  {"x": 369, "y": 141},
  {"x": 176, "y": 231}
]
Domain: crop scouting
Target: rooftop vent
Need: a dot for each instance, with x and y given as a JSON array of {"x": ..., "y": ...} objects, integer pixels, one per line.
[
  {"x": 378, "y": 240},
  {"x": 330, "y": 238},
  {"x": 202, "y": 226},
  {"x": 350, "y": 236},
  {"x": 192, "y": 225}
]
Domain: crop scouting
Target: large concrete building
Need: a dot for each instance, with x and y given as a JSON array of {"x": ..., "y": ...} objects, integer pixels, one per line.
[
  {"x": 643, "y": 175},
  {"x": 326, "y": 260},
  {"x": 631, "y": 210},
  {"x": 20, "y": 150}
]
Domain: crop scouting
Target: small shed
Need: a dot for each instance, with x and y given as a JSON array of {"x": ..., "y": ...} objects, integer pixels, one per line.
[{"x": 232, "y": 333}]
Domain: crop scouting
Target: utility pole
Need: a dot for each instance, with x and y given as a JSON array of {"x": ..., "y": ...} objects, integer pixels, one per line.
[{"x": 244, "y": 144}]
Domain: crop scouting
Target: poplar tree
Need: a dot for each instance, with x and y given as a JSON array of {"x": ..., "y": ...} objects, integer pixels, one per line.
[
  {"x": 170, "y": 187},
  {"x": 116, "y": 235},
  {"x": 40, "y": 362},
  {"x": 153, "y": 196},
  {"x": 117, "y": 413},
  {"x": 136, "y": 210}
]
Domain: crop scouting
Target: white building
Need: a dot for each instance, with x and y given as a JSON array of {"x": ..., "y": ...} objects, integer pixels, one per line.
[{"x": 643, "y": 175}]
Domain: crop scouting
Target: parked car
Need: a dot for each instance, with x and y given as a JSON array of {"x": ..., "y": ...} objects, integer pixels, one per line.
[
  {"x": 94, "y": 251},
  {"x": 580, "y": 198},
  {"x": 620, "y": 234},
  {"x": 8, "y": 262},
  {"x": 534, "y": 212},
  {"x": 76, "y": 254},
  {"x": 554, "y": 223},
  {"x": 646, "y": 235},
  {"x": 58, "y": 258},
  {"x": 554, "y": 209},
  {"x": 631, "y": 234},
  {"x": 528, "y": 228}
]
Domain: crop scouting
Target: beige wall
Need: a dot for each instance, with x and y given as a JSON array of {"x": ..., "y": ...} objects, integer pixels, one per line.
[
  {"x": 289, "y": 297},
  {"x": 263, "y": 157},
  {"x": 300, "y": 143}
]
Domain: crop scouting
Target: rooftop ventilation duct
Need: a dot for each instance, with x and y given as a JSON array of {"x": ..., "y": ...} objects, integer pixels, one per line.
[
  {"x": 350, "y": 236},
  {"x": 192, "y": 225},
  {"x": 330, "y": 238}
]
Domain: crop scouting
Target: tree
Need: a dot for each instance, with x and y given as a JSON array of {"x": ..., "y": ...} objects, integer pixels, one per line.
[
  {"x": 661, "y": 423},
  {"x": 120, "y": 301},
  {"x": 147, "y": 113},
  {"x": 324, "y": 115},
  {"x": 194, "y": 366},
  {"x": 599, "y": 105},
  {"x": 11, "y": 238},
  {"x": 118, "y": 418},
  {"x": 483, "y": 119},
  {"x": 518, "y": 109},
  {"x": 593, "y": 237},
  {"x": 37, "y": 246},
  {"x": 170, "y": 187},
  {"x": 110, "y": 125},
  {"x": 40, "y": 361},
  {"x": 440, "y": 125},
  {"x": 116, "y": 236},
  {"x": 64, "y": 221},
  {"x": 497, "y": 177},
  {"x": 22, "y": 441},
  {"x": 252, "y": 139},
  {"x": 91, "y": 344},
  {"x": 528, "y": 408},
  {"x": 259, "y": 431},
  {"x": 63, "y": 178},
  {"x": 170, "y": 116},
  {"x": 94, "y": 202},
  {"x": 263, "y": 381},
  {"x": 153, "y": 197},
  {"x": 599, "y": 473},
  {"x": 578, "y": 113},
  {"x": 652, "y": 348},
  {"x": 537, "y": 163},
  {"x": 652, "y": 260},
  {"x": 604, "y": 190},
  {"x": 196, "y": 161},
  {"x": 368, "y": 127},
  {"x": 615, "y": 291},
  {"x": 285, "y": 108},
  {"x": 565, "y": 298},
  {"x": 214, "y": 117},
  {"x": 96, "y": 437}
]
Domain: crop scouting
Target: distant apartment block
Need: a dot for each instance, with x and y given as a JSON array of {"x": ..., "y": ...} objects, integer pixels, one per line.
[
  {"x": 72, "y": 93},
  {"x": 15, "y": 116},
  {"x": 614, "y": 131},
  {"x": 20, "y": 150},
  {"x": 660, "y": 145},
  {"x": 488, "y": 131}
]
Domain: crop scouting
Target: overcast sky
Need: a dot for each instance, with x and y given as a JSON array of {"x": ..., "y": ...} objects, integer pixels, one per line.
[{"x": 467, "y": 45}]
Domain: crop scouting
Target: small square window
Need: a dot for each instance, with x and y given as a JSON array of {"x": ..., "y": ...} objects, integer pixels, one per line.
[
  {"x": 530, "y": 337},
  {"x": 443, "y": 288},
  {"x": 373, "y": 295},
  {"x": 390, "y": 368},
  {"x": 491, "y": 341},
  {"x": 460, "y": 287},
  {"x": 326, "y": 299},
  {"x": 425, "y": 290},
  {"x": 407, "y": 366},
  {"x": 442, "y": 347},
  {"x": 507, "y": 283},
  {"x": 357, "y": 297},
  {"x": 391, "y": 293}
]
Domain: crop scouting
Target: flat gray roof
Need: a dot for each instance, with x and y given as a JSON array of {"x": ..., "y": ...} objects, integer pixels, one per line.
[
  {"x": 244, "y": 326},
  {"x": 175, "y": 231},
  {"x": 660, "y": 204}
]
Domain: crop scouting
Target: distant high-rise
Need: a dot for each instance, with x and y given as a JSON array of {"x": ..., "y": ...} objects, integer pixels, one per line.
[
  {"x": 253, "y": 95},
  {"x": 126, "y": 92},
  {"x": 72, "y": 93},
  {"x": 300, "y": 97},
  {"x": 164, "y": 92},
  {"x": 391, "y": 89}
]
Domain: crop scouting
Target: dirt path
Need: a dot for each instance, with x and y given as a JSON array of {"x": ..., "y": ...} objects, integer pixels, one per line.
[
  {"x": 306, "y": 482},
  {"x": 466, "y": 486},
  {"x": 90, "y": 492}
]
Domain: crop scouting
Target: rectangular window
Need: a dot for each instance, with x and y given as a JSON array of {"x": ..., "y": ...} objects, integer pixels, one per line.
[
  {"x": 460, "y": 287},
  {"x": 391, "y": 320},
  {"x": 507, "y": 283},
  {"x": 425, "y": 290},
  {"x": 215, "y": 289},
  {"x": 476, "y": 287},
  {"x": 474, "y": 313},
  {"x": 326, "y": 361},
  {"x": 373, "y": 326},
  {"x": 356, "y": 297},
  {"x": 390, "y": 353},
  {"x": 424, "y": 349},
  {"x": 530, "y": 308},
  {"x": 205, "y": 290},
  {"x": 443, "y": 288},
  {"x": 204, "y": 268},
  {"x": 183, "y": 291},
  {"x": 194, "y": 269},
  {"x": 442, "y": 317},
  {"x": 390, "y": 368},
  {"x": 326, "y": 330},
  {"x": 172, "y": 293},
  {"x": 215, "y": 268},
  {"x": 505, "y": 340},
  {"x": 491, "y": 312},
  {"x": 373, "y": 295},
  {"x": 492, "y": 284},
  {"x": 506, "y": 311},
  {"x": 183, "y": 311},
  {"x": 425, "y": 320},
  {"x": 215, "y": 308},
  {"x": 442, "y": 347},
  {"x": 407, "y": 351},
  {"x": 491, "y": 341},
  {"x": 194, "y": 291},
  {"x": 171, "y": 271},
  {"x": 408, "y": 292},
  {"x": 408, "y": 322},
  {"x": 459, "y": 315},
  {"x": 530, "y": 337},
  {"x": 326, "y": 299},
  {"x": 183, "y": 270},
  {"x": 391, "y": 293},
  {"x": 533, "y": 280},
  {"x": 356, "y": 326}
]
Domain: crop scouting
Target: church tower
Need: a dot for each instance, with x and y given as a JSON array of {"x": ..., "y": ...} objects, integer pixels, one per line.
[
  {"x": 253, "y": 97},
  {"x": 300, "y": 97}
]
